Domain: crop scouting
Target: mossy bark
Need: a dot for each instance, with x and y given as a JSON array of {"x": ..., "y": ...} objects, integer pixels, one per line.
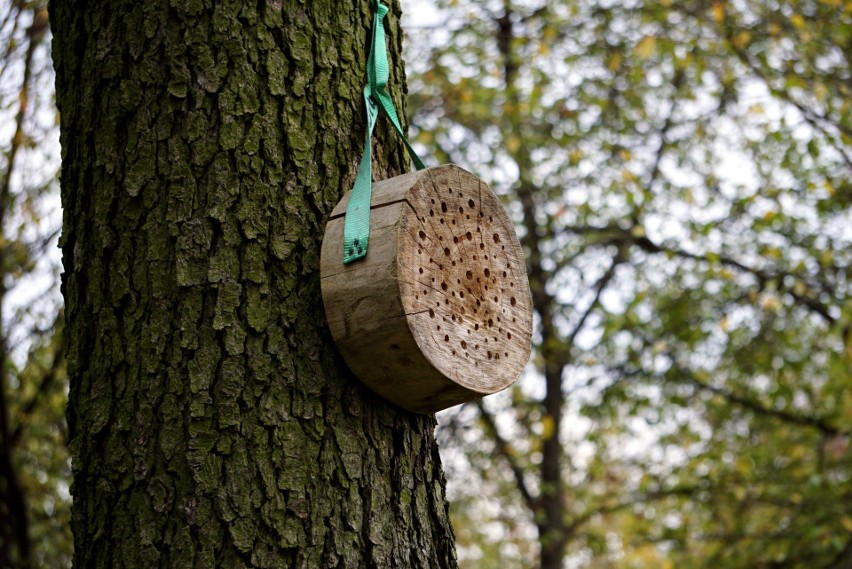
[{"x": 212, "y": 423}]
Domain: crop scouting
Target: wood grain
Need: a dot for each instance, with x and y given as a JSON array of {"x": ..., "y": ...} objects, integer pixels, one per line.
[{"x": 439, "y": 311}]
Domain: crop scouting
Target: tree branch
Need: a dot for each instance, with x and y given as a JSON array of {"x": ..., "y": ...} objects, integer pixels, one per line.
[
  {"x": 619, "y": 235},
  {"x": 818, "y": 423},
  {"x": 505, "y": 451}
]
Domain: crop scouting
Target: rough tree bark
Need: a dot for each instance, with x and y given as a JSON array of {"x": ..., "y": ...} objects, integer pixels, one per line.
[{"x": 212, "y": 421}]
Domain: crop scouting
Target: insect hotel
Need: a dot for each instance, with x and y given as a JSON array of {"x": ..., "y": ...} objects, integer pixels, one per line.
[{"x": 438, "y": 312}]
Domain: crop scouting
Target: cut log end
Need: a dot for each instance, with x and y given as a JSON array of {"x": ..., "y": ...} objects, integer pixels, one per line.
[{"x": 466, "y": 292}]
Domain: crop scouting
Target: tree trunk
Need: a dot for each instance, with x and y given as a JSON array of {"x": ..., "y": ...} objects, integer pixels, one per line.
[{"x": 212, "y": 422}]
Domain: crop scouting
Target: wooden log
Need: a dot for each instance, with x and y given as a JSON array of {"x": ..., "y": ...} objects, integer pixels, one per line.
[{"x": 439, "y": 311}]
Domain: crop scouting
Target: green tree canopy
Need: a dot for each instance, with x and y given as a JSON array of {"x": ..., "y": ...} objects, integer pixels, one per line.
[{"x": 680, "y": 176}]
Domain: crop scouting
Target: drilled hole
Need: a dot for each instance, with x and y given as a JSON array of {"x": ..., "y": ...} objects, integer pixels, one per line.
[
  {"x": 469, "y": 275},
  {"x": 421, "y": 270},
  {"x": 504, "y": 274},
  {"x": 470, "y": 204},
  {"x": 444, "y": 207},
  {"x": 463, "y": 344},
  {"x": 487, "y": 272},
  {"x": 496, "y": 238},
  {"x": 512, "y": 301},
  {"x": 508, "y": 335},
  {"x": 469, "y": 236},
  {"x": 482, "y": 245},
  {"x": 431, "y": 313},
  {"x": 444, "y": 285},
  {"x": 446, "y": 337},
  {"x": 431, "y": 213},
  {"x": 461, "y": 210},
  {"x": 447, "y": 251}
]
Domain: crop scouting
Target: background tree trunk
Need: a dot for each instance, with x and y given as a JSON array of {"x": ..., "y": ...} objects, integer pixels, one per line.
[{"x": 211, "y": 420}]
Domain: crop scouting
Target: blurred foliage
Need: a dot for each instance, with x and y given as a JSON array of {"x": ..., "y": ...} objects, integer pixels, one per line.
[
  {"x": 34, "y": 465},
  {"x": 681, "y": 178}
]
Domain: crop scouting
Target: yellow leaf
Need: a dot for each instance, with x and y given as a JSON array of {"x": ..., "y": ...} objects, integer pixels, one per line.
[
  {"x": 718, "y": 12},
  {"x": 646, "y": 47},
  {"x": 574, "y": 157},
  {"x": 771, "y": 303},
  {"x": 820, "y": 91},
  {"x": 797, "y": 20},
  {"x": 774, "y": 253},
  {"x": 847, "y": 523},
  {"x": 741, "y": 40},
  {"x": 548, "y": 427},
  {"x": 513, "y": 143},
  {"x": 614, "y": 61},
  {"x": 723, "y": 324}
]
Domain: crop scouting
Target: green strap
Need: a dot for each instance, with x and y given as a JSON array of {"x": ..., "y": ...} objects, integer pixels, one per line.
[{"x": 356, "y": 229}]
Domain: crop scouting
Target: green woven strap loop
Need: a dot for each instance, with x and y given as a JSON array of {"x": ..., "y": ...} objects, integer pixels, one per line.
[{"x": 356, "y": 228}]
